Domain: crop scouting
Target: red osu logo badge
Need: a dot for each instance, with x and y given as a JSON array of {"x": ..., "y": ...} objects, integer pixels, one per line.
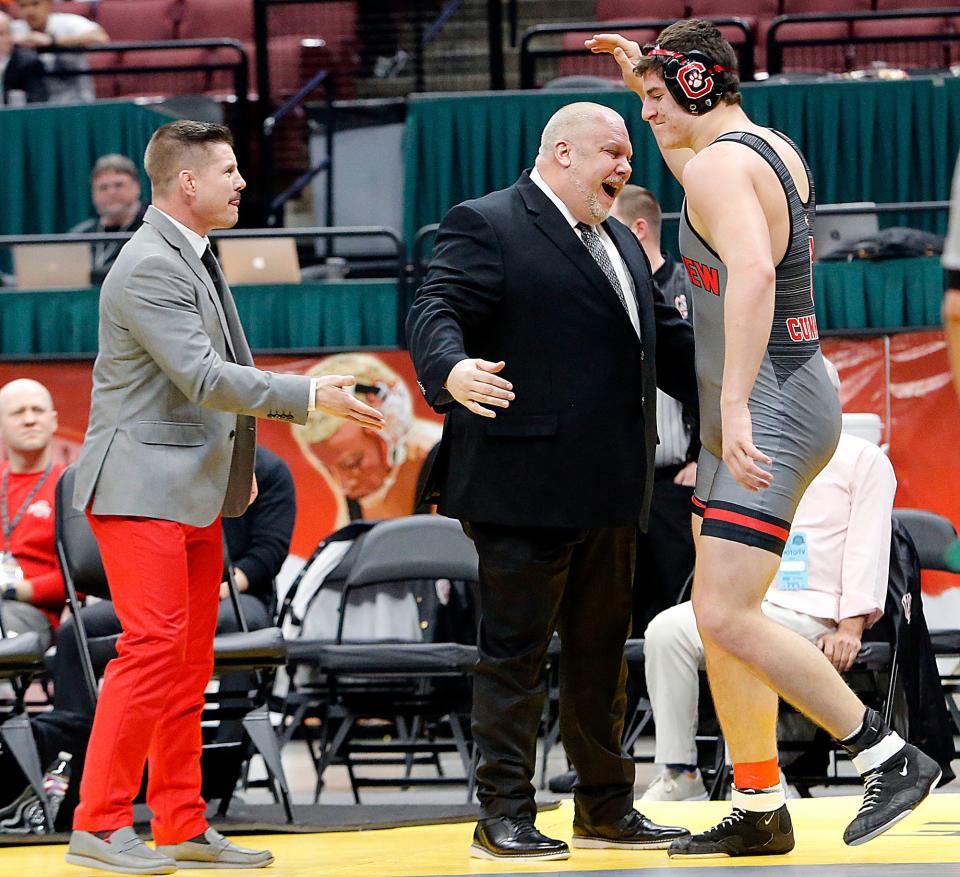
[{"x": 694, "y": 80}]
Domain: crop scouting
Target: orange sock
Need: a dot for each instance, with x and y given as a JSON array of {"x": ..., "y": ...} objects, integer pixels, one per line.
[{"x": 756, "y": 774}]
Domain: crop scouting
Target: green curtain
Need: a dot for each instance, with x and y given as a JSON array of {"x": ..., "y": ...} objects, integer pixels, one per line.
[
  {"x": 865, "y": 141},
  {"x": 875, "y": 295},
  {"x": 348, "y": 313},
  {"x": 48, "y": 153}
]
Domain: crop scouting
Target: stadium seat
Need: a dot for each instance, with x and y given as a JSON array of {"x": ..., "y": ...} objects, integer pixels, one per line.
[
  {"x": 903, "y": 51},
  {"x": 87, "y": 10},
  {"x": 151, "y": 19},
  {"x": 798, "y": 7},
  {"x": 209, "y": 19},
  {"x": 611, "y": 10}
]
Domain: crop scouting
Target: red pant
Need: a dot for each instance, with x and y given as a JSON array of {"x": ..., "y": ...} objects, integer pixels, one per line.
[{"x": 165, "y": 583}]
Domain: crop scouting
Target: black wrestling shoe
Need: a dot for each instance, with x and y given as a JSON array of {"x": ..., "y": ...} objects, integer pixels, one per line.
[
  {"x": 742, "y": 833},
  {"x": 892, "y": 791},
  {"x": 633, "y": 831},
  {"x": 518, "y": 840}
]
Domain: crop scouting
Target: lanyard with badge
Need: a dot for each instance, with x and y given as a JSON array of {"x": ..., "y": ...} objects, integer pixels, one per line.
[
  {"x": 793, "y": 572},
  {"x": 10, "y": 570}
]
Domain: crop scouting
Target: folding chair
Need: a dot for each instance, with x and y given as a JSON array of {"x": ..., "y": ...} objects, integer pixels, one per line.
[
  {"x": 416, "y": 678},
  {"x": 21, "y": 658},
  {"x": 259, "y": 651}
]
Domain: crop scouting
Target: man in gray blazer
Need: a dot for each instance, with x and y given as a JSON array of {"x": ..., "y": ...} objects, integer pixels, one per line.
[{"x": 168, "y": 450}]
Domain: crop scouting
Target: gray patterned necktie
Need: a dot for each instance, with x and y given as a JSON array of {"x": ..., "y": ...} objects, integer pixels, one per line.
[{"x": 595, "y": 247}]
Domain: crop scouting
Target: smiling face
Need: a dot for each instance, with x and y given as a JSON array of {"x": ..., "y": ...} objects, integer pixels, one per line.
[
  {"x": 672, "y": 126},
  {"x": 593, "y": 161},
  {"x": 215, "y": 185}
]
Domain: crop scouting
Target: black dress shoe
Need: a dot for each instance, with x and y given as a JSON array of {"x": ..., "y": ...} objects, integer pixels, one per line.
[
  {"x": 633, "y": 831},
  {"x": 518, "y": 840}
]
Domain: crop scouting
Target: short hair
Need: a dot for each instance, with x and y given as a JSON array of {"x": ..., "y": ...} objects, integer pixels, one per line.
[
  {"x": 177, "y": 143},
  {"x": 635, "y": 202},
  {"x": 114, "y": 162},
  {"x": 697, "y": 35}
]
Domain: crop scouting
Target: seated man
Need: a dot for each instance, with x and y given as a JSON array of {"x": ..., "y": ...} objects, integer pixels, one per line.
[
  {"x": 30, "y": 578},
  {"x": 831, "y": 586},
  {"x": 115, "y": 192},
  {"x": 38, "y": 28},
  {"x": 20, "y": 70}
]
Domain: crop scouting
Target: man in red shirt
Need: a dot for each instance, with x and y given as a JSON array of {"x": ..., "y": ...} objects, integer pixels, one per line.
[{"x": 30, "y": 579}]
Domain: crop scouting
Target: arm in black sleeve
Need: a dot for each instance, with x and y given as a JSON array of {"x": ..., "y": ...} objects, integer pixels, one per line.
[
  {"x": 461, "y": 289},
  {"x": 676, "y": 368},
  {"x": 267, "y": 526}
]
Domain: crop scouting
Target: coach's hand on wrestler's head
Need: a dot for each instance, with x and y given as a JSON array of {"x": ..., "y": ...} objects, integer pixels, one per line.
[
  {"x": 334, "y": 398},
  {"x": 739, "y": 452},
  {"x": 474, "y": 383},
  {"x": 625, "y": 52}
]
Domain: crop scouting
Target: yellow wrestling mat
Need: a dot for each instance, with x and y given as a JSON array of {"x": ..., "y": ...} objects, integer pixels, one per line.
[{"x": 926, "y": 843}]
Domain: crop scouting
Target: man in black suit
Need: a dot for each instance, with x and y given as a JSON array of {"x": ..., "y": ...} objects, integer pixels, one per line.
[
  {"x": 537, "y": 308},
  {"x": 20, "y": 69}
]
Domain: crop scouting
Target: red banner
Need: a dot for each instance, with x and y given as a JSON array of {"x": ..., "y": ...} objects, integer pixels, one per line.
[{"x": 336, "y": 467}]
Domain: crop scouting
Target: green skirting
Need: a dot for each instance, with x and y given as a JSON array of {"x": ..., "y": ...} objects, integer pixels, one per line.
[{"x": 349, "y": 313}]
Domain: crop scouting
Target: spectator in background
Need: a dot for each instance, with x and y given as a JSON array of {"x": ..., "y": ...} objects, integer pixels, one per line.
[
  {"x": 951, "y": 280},
  {"x": 115, "y": 192},
  {"x": 32, "y": 585},
  {"x": 375, "y": 474},
  {"x": 20, "y": 69},
  {"x": 38, "y": 28}
]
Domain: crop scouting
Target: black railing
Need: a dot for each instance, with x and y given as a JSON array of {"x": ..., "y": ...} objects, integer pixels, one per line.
[
  {"x": 777, "y": 43},
  {"x": 530, "y": 54},
  {"x": 240, "y": 69}
]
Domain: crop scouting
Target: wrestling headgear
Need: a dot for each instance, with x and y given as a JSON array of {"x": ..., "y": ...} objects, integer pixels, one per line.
[{"x": 691, "y": 77}]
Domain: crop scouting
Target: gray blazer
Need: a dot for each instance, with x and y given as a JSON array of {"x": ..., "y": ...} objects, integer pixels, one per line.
[{"x": 172, "y": 432}]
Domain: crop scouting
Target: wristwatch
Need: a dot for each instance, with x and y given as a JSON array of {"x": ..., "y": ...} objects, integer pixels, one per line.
[{"x": 10, "y": 592}]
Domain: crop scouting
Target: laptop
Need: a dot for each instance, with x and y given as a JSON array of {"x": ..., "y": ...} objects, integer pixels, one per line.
[
  {"x": 832, "y": 233},
  {"x": 52, "y": 266},
  {"x": 259, "y": 260}
]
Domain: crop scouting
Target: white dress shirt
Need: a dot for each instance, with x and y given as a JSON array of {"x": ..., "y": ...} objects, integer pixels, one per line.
[
  {"x": 620, "y": 269},
  {"x": 845, "y": 515}
]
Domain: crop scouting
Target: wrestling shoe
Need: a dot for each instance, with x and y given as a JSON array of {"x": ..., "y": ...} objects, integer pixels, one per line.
[
  {"x": 742, "y": 833},
  {"x": 891, "y": 792}
]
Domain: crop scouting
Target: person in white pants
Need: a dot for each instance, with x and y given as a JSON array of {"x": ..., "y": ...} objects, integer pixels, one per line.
[{"x": 831, "y": 586}]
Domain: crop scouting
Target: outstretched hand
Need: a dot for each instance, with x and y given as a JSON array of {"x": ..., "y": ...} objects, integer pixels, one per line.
[
  {"x": 739, "y": 452},
  {"x": 472, "y": 381},
  {"x": 625, "y": 52},
  {"x": 334, "y": 398}
]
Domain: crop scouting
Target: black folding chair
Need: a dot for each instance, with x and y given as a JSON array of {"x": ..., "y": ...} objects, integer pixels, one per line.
[
  {"x": 259, "y": 651},
  {"x": 419, "y": 681}
]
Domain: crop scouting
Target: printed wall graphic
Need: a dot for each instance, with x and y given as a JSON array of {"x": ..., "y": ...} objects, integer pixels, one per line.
[{"x": 340, "y": 471}]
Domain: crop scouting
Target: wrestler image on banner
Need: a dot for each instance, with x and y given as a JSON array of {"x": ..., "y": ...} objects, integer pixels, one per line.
[{"x": 372, "y": 476}]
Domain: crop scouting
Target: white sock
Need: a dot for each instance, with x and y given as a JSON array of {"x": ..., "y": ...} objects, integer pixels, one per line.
[{"x": 871, "y": 758}]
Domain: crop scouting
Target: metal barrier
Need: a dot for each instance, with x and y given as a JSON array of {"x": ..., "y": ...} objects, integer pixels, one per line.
[
  {"x": 777, "y": 43},
  {"x": 530, "y": 55},
  {"x": 240, "y": 68}
]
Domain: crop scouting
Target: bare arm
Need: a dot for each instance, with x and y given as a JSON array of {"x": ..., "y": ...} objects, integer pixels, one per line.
[
  {"x": 719, "y": 186},
  {"x": 627, "y": 54}
]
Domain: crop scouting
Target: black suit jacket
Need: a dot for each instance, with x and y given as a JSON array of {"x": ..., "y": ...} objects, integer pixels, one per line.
[
  {"x": 25, "y": 72},
  {"x": 510, "y": 279}
]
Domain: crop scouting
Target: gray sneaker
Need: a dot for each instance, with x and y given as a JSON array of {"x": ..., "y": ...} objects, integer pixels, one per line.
[
  {"x": 125, "y": 853},
  {"x": 217, "y": 852}
]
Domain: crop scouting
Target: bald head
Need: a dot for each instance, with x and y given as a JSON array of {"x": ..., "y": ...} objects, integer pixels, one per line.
[
  {"x": 17, "y": 390},
  {"x": 584, "y": 158},
  {"x": 27, "y": 423}
]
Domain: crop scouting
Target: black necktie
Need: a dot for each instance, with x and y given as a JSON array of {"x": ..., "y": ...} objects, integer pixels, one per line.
[
  {"x": 210, "y": 263},
  {"x": 591, "y": 240}
]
